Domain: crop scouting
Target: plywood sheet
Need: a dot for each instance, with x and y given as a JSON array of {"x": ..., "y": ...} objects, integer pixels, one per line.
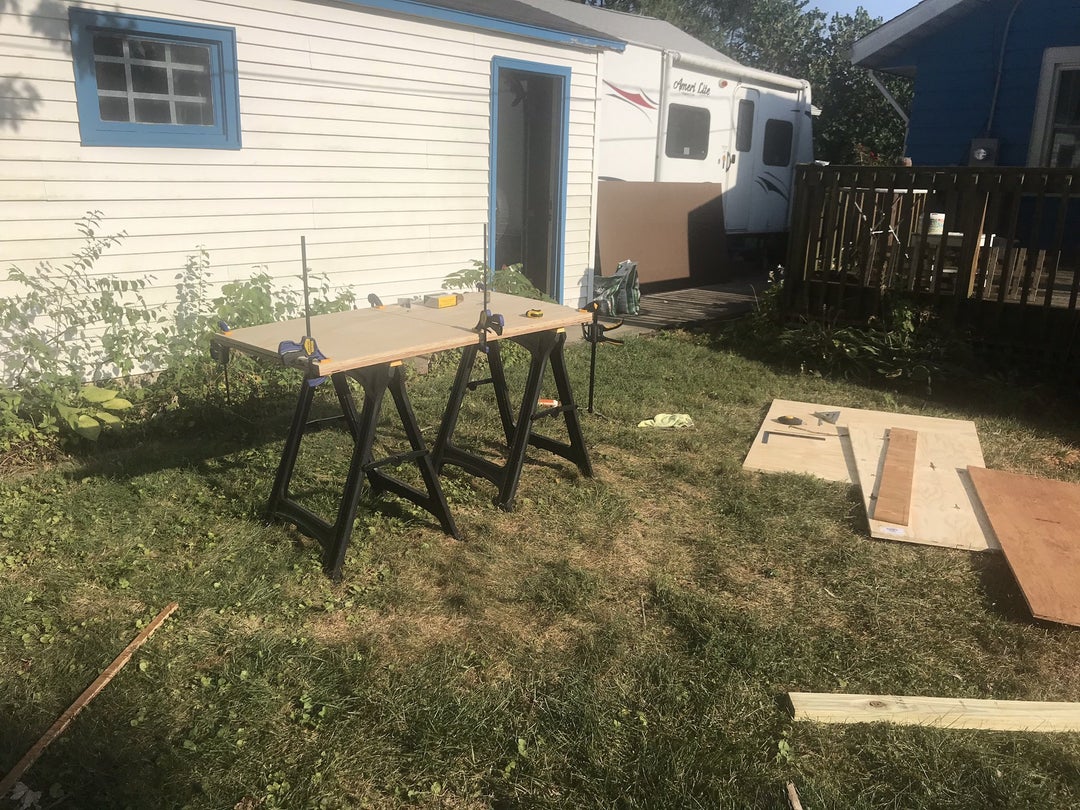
[
  {"x": 813, "y": 448},
  {"x": 674, "y": 231},
  {"x": 944, "y": 507},
  {"x": 1037, "y": 522},
  {"x": 831, "y": 459},
  {"x": 364, "y": 337},
  {"x": 996, "y": 715}
]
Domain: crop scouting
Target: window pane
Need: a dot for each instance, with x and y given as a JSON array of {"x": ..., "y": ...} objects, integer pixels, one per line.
[
  {"x": 189, "y": 83},
  {"x": 145, "y": 79},
  {"x": 744, "y": 128},
  {"x": 195, "y": 55},
  {"x": 113, "y": 109},
  {"x": 1067, "y": 108},
  {"x": 194, "y": 113},
  {"x": 152, "y": 112},
  {"x": 1065, "y": 126},
  {"x": 777, "y": 148},
  {"x": 111, "y": 76},
  {"x": 108, "y": 46},
  {"x": 687, "y": 132},
  {"x": 147, "y": 49}
]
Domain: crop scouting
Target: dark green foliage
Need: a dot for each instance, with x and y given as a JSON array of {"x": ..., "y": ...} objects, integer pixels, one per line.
[
  {"x": 70, "y": 322},
  {"x": 908, "y": 346}
]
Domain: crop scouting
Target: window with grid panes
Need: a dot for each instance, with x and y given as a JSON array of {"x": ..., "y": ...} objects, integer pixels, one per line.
[{"x": 150, "y": 82}]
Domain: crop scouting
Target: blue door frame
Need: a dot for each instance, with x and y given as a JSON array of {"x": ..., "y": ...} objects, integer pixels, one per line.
[{"x": 561, "y": 129}]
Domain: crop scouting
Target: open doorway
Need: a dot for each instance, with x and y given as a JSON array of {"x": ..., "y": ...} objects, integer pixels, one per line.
[{"x": 530, "y": 106}]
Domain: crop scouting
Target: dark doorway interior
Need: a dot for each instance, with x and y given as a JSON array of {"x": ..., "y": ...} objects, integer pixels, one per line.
[{"x": 527, "y": 175}]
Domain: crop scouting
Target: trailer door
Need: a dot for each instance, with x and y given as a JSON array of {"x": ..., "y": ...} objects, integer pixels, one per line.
[{"x": 742, "y": 161}]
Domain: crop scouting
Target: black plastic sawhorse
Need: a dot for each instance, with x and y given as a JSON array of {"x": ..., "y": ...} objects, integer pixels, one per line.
[
  {"x": 544, "y": 347},
  {"x": 334, "y": 537}
]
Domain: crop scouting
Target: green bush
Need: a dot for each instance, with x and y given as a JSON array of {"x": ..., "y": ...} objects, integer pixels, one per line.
[
  {"x": 907, "y": 344},
  {"x": 68, "y": 323},
  {"x": 507, "y": 279}
]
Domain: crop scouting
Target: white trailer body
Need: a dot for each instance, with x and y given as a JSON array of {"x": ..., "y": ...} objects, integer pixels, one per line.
[{"x": 669, "y": 116}]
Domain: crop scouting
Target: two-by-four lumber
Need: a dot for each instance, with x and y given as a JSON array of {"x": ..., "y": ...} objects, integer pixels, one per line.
[
  {"x": 893, "y": 503},
  {"x": 973, "y": 713}
]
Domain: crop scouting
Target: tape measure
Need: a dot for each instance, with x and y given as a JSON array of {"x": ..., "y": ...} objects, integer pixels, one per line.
[
  {"x": 534, "y": 313},
  {"x": 789, "y": 420}
]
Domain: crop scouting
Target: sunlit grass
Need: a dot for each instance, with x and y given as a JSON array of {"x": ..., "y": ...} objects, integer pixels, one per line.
[{"x": 620, "y": 641}]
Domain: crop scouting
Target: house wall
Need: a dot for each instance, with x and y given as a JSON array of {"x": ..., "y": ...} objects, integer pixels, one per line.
[
  {"x": 957, "y": 70},
  {"x": 367, "y": 133}
]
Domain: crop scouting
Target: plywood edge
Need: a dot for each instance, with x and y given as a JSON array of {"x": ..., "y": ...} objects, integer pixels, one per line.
[{"x": 963, "y": 713}]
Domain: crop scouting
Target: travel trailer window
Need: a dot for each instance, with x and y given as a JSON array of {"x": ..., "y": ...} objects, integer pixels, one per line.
[
  {"x": 687, "y": 132},
  {"x": 777, "y": 148},
  {"x": 150, "y": 82},
  {"x": 744, "y": 127}
]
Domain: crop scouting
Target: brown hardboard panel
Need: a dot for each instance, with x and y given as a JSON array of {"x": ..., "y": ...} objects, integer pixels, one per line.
[
  {"x": 1037, "y": 522},
  {"x": 674, "y": 231}
]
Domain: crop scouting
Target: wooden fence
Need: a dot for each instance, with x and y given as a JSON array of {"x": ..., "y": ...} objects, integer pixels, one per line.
[{"x": 995, "y": 250}]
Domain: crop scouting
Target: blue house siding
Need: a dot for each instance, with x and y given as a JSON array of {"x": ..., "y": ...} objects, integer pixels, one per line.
[{"x": 957, "y": 72}]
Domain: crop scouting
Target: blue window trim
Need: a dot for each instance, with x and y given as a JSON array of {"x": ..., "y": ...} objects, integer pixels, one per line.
[
  {"x": 225, "y": 88},
  {"x": 500, "y": 63}
]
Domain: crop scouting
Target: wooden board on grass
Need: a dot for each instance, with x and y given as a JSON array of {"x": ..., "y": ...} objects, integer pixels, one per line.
[
  {"x": 995, "y": 715},
  {"x": 1037, "y": 522},
  {"x": 893, "y": 502},
  {"x": 944, "y": 508}
]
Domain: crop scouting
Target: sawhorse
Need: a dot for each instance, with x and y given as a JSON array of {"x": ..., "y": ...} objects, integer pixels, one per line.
[
  {"x": 543, "y": 347},
  {"x": 375, "y": 382}
]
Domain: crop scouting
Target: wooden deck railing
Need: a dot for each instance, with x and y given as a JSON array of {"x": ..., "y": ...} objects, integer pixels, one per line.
[{"x": 989, "y": 247}]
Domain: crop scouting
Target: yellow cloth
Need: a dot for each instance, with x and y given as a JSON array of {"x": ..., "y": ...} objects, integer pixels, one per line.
[{"x": 668, "y": 420}]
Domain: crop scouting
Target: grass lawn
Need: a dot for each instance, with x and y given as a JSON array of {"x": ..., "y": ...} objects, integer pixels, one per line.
[{"x": 623, "y": 641}]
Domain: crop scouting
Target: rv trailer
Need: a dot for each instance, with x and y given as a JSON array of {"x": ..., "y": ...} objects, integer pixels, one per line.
[{"x": 675, "y": 110}]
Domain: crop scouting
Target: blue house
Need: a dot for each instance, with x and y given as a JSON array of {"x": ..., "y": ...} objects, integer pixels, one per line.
[{"x": 997, "y": 82}]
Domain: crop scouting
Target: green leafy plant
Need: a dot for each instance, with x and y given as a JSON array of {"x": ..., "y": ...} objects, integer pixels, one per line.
[
  {"x": 95, "y": 409},
  {"x": 507, "y": 279},
  {"x": 66, "y": 322},
  {"x": 907, "y": 343}
]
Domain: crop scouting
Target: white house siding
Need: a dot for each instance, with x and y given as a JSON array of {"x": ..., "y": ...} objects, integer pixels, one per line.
[{"x": 367, "y": 133}]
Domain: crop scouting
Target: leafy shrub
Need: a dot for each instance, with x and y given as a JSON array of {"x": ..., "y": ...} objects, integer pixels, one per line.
[
  {"x": 507, "y": 279},
  {"x": 68, "y": 323},
  {"x": 907, "y": 344}
]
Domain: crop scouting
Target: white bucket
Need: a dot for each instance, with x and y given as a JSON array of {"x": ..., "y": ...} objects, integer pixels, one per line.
[{"x": 937, "y": 224}]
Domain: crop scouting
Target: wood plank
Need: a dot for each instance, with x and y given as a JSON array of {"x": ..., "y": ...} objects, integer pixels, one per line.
[
  {"x": 968, "y": 713},
  {"x": 893, "y": 502},
  {"x": 1037, "y": 522},
  {"x": 944, "y": 507}
]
